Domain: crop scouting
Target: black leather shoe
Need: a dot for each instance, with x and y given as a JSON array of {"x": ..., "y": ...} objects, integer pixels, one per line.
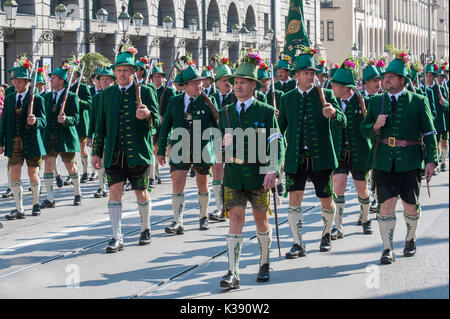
[
  {"x": 410, "y": 248},
  {"x": 192, "y": 172},
  {"x": 59, "y": 181},
  {"x": 336, "y": 234},
  {"x": 367, "y": 228},
  {"x": 359, "y": 220},
  {"x": 151, "y": 183},
  {"x": 325, "y": 243},
  {"x": 93, "y": 177},
  {"x": 204, "y": 223},
  {"x": 263, "y": 273},
  {"x": 67, "y": 181},
  {"x": 388, "y": 257},
  {"x": 280, "y": 189},
  {"x": 8, "y": 193},
  {"x": 443, "y": 167},
  {"x": 77, "y": 200},
  {"x": 158, "y": 180},
  {"x": 296, "y": 251},
  {"x": 230, "y": 281},
  {"x": 114, "y": 246},
  {"x": 84, "y": 178},
  {"x": 216, "y": 216},
  {"x": 36, "y": 210},
  {"x": 15, "y": 214},
  {"x": 47, "y": 204},
  {"x": 175, "y": 228},
  {"x": 127, "y": 187},
  {"x": 145, "y": 238},
  {"x": 98, "y": 194}
]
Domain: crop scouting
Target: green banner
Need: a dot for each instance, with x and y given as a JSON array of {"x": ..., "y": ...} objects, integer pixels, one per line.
[{"x": 296, "y": 33}]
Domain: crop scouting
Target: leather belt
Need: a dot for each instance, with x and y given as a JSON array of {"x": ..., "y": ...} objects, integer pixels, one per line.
[{"x": 393, "y": 142}]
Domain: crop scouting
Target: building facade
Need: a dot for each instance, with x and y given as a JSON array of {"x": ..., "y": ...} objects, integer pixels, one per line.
[{"x": 373, "y": 24}]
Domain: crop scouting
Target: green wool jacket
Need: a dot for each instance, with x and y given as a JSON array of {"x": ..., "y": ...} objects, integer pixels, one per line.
[
  {"x": 33, "y": 145},
  {"x": 85, "y": 98},
  {"x": 138, "y": 137},
  {"x": 412, "y": 118},
  {"x": 169, "y": 93},
  {"x": 9, "y": 90},
  {"x": 291, "y": 85},
  {"x": 359, "y": 146},
  {"x": 174, "y": 119},
  {"x": 93, "y": 115},
  {"x": 278, "y": 95},
  {"x": 295, "y": 111},
  {"x": 428, "y": 93},
  {"x": 65, "y": 135},
  {"x": 259, "y": 118},
  {"x": 230, "y": 99},
  {"x": 440, "y": 121}
]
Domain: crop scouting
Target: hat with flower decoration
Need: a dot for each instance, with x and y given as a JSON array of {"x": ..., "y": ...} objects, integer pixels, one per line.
[
  {"x": 284, "y": 62},
  {"x": 381, "y": 65},
  {"x": 41, "y": 78},
  {"x": 144, "y": 65},
  {"x": 126, "y": 57},
  {"x": 322, "y": 67},
  {"x": 400, "y": 65},
  {"x": 158, "y": 69},
  {"x": 22, "y": 69},
  {"x": 442, "y": 69},
  {"x": 63, "y": 71},
  {"x": 222, "y": 65},
  {"x": 346, "y": 74},
  {"x": 414, "y": 71},
  {"x": 305, "y": 61},
  {"x": 264, "y": 72},
  {"x": 188, "y": 70},
  {"x": 334, "y": 69},
  {"x": 432, "y": 68},
  {"x": 248, "y": 67},
  {"x": 208, "y": 72},
  {"x": 370, "y": 72}
]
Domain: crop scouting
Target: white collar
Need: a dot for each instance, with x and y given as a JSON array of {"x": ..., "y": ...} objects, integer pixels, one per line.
[
  {"x": 126, "y": 87},
  {"x": 225, "y": 95},
  {"x": 349, "y": 99},
  {"x": 187, "y": 100},
  {"x": 307, "y": 91},
  {"x": 287, "y": 81},
  {"x": 247, "y": 103},
  {"x": 396, "y": 95},
  {"x": 21, "y": 94}
]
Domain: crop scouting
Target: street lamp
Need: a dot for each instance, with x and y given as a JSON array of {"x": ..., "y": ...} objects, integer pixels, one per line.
[
  {"x": 138, "y": 21},
  {"x": 243, "y": 33},
  {"x": 167, "y": 24},
  {"x": 216, "y": 29},
  {"x": 61, "y": 14},
  {"x": 253, "y": 32},
  {"x": 235, "y": 30},
  {"x": 102, "y": 17},
  {"x": 270, "y": 34},
  {"x": 124, "y": 20},
  {"x": 355, "y": 51},
  {"x": 193, "y": 26},
  {"x": 11, "y": 13}
]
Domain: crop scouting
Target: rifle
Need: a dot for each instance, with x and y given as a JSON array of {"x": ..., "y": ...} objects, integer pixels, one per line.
[
  {"x": 32, "y": 92},
  {"x": 79, "y": 78},
  {"x": 137, "y": 89},
  {"x": 211, "y": 105},
  {"x": 276, "y": 219},
  {"x": 272, "y": 87},
  {"x": 66, "y": 94},
  {"x": 149, "y": 71},
  {"x": 161, "y": 99},
  {"x": 377, "y": 144},
  {"x": 320, "y": 89},
  {"x": 441, "y": 98},
  {"x": 362, "y": 103}
]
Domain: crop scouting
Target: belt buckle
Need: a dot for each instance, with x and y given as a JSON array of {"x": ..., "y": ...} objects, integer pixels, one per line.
[
  {"x": 391, "y": 141},
  {"x": 237, "y": 161}
]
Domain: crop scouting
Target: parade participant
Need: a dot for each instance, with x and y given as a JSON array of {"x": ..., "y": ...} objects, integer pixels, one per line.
[
  {"x": 441, "y": 104},
  {"x": 427, "y": 92},
  {"x": 176, "y": 84},
  {"x": 123, "y": 139},
  {"x": 223, "y": 97},
  {"x": 164, "y": 94},
  {"x": 208, "y": 81},
  {"x": 20, "y": 136},
  {"x": 41, "y": 81},
  {"x": 85, "y": 102},
  {"x": 284, "y": 83},
  {"x": 306, "y": 123},
  {"x": 399, "y": 118},
  {"x": 332, "y": 72},
  {"x": 442, "y": 81},
  {"x": 351, "y": 148},
  {"x": 183, "y": 113},
  {"x": 322, "y": 73},
  {"x": 96, "y": 87},
  {"x": 245, "y": 180},
  {"x": 106, "y": 79},
  {"x": 381, "y": 67},
  {"x": 60, "y": 134},
  {"x": 8, "y": 192}
]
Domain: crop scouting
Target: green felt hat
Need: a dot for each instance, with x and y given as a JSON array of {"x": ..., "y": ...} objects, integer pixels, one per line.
[
  {"x": 62, "y": 73},
  {"x": 157, "y": 69},
  {"x": 432, "y": 68},
  {"x": 321, "y": 69},
  {"x": 190, "y": 74},
  {"x": 177, "y": 78},
  {"x": 333, "y": 70},
  {"x": 345, "y": 77},
  {"x": 107, "y": 71},
  {"x": 222, "y": 71},
  {"x": 96, "y": 72},
  {"x": 246, "y": 70},
  {"x": 305, "y": 62},
  {"x": 263, "y": 74},
  {"x": 125, "y": 59},
  {"x": 19, "y": 72},
  {"x": 398, "y": 67},
  {"x": 283, "y": 64},
  {"x": 143, "y": 64},
  {"x": 370, "y": 72},
  {"x": 414, "y": 75},
  {"x": 41, "y": 76},
  {"x": 208, "y": 73}
]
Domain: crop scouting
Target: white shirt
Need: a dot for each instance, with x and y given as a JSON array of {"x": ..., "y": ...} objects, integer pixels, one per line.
[
  {"x": 187, "y": 101},
  {"x": 247, "y": 103},
  {"x": 207, "y": 90},
  {"x": 58, "y": 94},
  {"x": 288, "y": 80},
  {"x": 22, "y": 96},
  {"x": 343, "y": 105},
  {"x": 307, "y": 91},
  {"x": 126, "y": 87},
  {"x": 368, "y": 94},
  {"x": 397, "y": 96},
  {"x": 222, "y": 97}
]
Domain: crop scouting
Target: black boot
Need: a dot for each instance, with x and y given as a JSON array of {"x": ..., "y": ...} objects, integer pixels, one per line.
[
  {"x": 67, "y": 181},
  {"x": 204, "y": 223},
  {"x": 388, "y": 257},
  {"x": 280, "y": 189},
  {"x": 47, "y": 204},
  {"x": 93, "y": 177},
  {"x": 410, "y": 248},
  {"x": 263, "y": 274},
  {"x": 296, "y": 251},
  {"x": 77, "y": 200},
  {"x": 325, "y": 244},
  {"x": 145, "y": 238},
  {"x": 230, "y": 281}
]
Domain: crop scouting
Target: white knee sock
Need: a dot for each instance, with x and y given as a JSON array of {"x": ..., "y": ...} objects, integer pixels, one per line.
[
  {"x": 157, "y": 169},
  {"x": 178, "y": 207},
  {"x": 203, "y": 200},
  {"x": 35, "y": 186},
  {"x": 76, "y": 183},
  {"x": 101, "y": 178},
  {"x": 48, "y": 181},
  {"x": 115, "y": 216},
  {"x": 234, "y": 245},
  {"x": 364, "y": 206},
  {"x": 8, "y": 173},
  {"x": 327, "y": 217},
  {"x": 295, "y": 218},
  {"x": 144, "y": 211},
  {"x": 411, "y": 225},
  {"x": 387, "y": 227},
  {"x": 264, "y": 241},
  {"x": 84, "y": 162},
  {"x": 17, "y": 191},
  {"x": 217, "y": 189},
  {"x": 339, "y": 215},
  {"x": 444, "y": 153}
]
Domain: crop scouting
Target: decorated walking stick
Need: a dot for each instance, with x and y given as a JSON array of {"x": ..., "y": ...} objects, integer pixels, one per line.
[{"x": 276, "y": 219}]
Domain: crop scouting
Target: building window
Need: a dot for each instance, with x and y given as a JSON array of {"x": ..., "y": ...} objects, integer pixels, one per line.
[
  {"x": 330, "y": 30},
  {"x": 322, "y": 31}
]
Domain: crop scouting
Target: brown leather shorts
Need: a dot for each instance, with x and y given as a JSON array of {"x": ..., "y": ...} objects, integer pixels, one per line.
[
  {"x": 258, "y": 198},
  {"x": 18, "y": 157},
  {"x": 67, "y": 157}
]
